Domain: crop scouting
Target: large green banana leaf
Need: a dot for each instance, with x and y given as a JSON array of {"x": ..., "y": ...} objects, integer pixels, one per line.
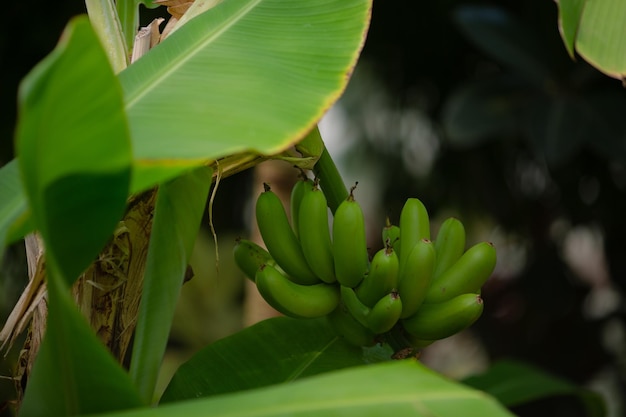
[
  {"x": 274, "y": 351},
  {"x": 597, "y": 31},
  {"x": 76, "y": 175},
  {"x": 74, "y": 148},
  {"x": 400, "y": 389},
  {"x": 247, "y": 75}
]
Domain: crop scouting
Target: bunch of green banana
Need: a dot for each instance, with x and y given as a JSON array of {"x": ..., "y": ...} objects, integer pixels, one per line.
[
  {"x": 296, "y": 274},
  {"x": 439, "y": 281},
  {"x": 419, "y": 289}
]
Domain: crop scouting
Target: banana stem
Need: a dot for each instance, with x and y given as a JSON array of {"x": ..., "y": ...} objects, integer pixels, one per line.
[
  {"x": 106, "y": 23},
  {"x": 128, "y": 12},
  {"x": 402, "y": 348},
  {"x": 330, "y": 180}
]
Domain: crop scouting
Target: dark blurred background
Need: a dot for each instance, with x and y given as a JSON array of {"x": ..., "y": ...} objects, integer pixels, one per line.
[{"x": 475, "y": 108}]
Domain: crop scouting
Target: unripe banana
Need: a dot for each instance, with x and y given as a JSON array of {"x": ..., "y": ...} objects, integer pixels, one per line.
[
  {"x": 299, "y": 190},
  {"x": 385, "y": 313},
  {"x": 280, "y": 240},
  {"x": 416, "y": 277},
  {"x": 414, "y": 226},
  {"x": 315, "y": 235},
  {"x": 357, "y": 309},
  {"x": 249, "y": 257},
  {"x": 349, "y": 243},
  {"x": 391, "y": 235},
  {"x": 347, "y": 327},
  {"x": 449, "y": 245},
  {"x": 382, "y": 277},
  {"x": 441, "y": 320},
  {"x": 295, "y": 300},
  {"x": 467, "y": 274}
]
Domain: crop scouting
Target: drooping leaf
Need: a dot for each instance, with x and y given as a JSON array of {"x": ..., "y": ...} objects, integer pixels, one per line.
[
  {"x": 75, "y": 162},
  {"x": 400, "y": 389},
  {"x": 177, "y": 214},
  {"x": 74, "y": 150},
  {"x": 246, "y": 75},
  {"x": 273, "y": 351},
  {"x": 74, "y": 374},
  {"x": 506, "y": 40},
  {"x": 514, "y": 383},
  {"x": 601, "y": 36},
  {"x": 569, "y": 19}
]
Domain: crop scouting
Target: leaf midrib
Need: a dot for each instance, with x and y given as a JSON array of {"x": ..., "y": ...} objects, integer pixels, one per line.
[
  {"x": 306, "y": 364},
  {"x": 188, "y": 53}
]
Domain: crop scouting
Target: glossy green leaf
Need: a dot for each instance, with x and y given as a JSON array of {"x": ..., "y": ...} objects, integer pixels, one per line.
[
  {"x": 74, "y": 150},
  {"x": 507, "y": 40},
  {"x": 400, "y": 389},
  {"x": 569, "y": 19},
  {"x": 246, "y": 75},
  {"x": 74, "y": 374},
  {"x": 514, "y": 383},
  {"x": 270, "y": 352},
  {"x": 178, "y": 211},
  {"x": 601, "y": 36}
]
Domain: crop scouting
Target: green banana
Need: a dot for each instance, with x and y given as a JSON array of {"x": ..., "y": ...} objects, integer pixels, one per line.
[
  {"x": 347, "y": 327},
  {"x": 441, "y": 320},
  {"x": 349, "y": 243},
  {"x": 315, "y": 235},
  {"x": 391, "y": 235},
  {"x": 249, "y": 257},
  {"x": 449, "y": 245},
  {"x": 351, "y": 301},
  {"x": 382, "y": 277},
  {"x": 416, "y": 277},
  {"x": 302, "y": 187},
  {"x": 280, "y": 240},
  {"x": 414, "y": 226},
  {"x": 295, "y": 300},
  {"x": 385, "y": 313},
  {"x": 467, "y": 274}
]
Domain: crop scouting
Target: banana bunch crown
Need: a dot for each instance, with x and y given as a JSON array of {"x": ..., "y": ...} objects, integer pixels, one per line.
[{"x": 410, "y": 293}]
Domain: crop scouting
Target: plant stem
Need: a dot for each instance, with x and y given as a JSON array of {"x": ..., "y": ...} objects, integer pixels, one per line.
[
  {"x": 128, "y": 12},
  {"x": 106, "y": 23},
  {"x": 402, "y": 348},
  {"x": 330, "y": 180}
]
